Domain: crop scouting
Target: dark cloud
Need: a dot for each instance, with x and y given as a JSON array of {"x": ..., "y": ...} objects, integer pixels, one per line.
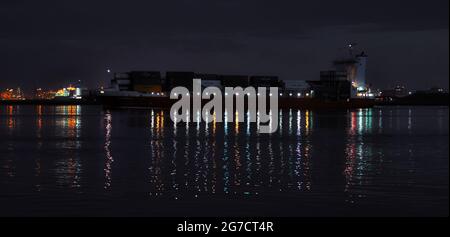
[{"x": 53, "y": 42}]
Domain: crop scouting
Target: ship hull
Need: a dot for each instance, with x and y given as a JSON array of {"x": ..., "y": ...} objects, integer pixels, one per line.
[
  {"x": 111, "y": 102},
  {"x": 310, "y": 103}
]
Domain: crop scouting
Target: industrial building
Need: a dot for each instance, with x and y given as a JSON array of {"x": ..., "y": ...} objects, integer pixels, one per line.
[
  {"x": 72, "y": 92},
  {"x": 41, "y": 94},
  {"x": 396, "y": 92},
  {"x": 12, "y": 94}
]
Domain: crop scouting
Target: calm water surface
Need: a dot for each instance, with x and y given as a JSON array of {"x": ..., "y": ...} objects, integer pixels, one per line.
[{"x": 82, "y": 160}]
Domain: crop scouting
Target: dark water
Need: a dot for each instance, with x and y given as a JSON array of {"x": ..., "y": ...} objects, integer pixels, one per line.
[{"x": 77, "y": 160}]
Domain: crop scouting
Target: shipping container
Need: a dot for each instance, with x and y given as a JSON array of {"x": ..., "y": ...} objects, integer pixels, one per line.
[
  {"x": 235, "y": 81},
  {"x": 333, "y": 76},
  {"x": 179, "y": 79},
  {"x": 148, "y": 88},
  {"x": 265, "y": 81}
]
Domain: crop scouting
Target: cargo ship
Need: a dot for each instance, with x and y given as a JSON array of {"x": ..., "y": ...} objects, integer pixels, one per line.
[{"x": 342, "y": 87}]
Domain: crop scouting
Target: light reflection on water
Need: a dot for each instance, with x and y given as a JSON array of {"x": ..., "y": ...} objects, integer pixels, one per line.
[
  {"x": 351, "y": 155},
  {"x": 207, "y": 158},
  {"x": 109, "y": 158},
  {"x": 67, "y": 123}
]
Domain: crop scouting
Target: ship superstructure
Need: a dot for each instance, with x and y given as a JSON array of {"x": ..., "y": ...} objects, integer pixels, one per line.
[{"x": 355, "y": 66}]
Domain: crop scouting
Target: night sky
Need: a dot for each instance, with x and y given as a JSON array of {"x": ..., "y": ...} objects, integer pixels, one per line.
[{"x": 52, "y": 43}]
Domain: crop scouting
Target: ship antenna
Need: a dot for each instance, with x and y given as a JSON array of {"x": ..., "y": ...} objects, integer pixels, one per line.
[{"x": 351, "y": 47}]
